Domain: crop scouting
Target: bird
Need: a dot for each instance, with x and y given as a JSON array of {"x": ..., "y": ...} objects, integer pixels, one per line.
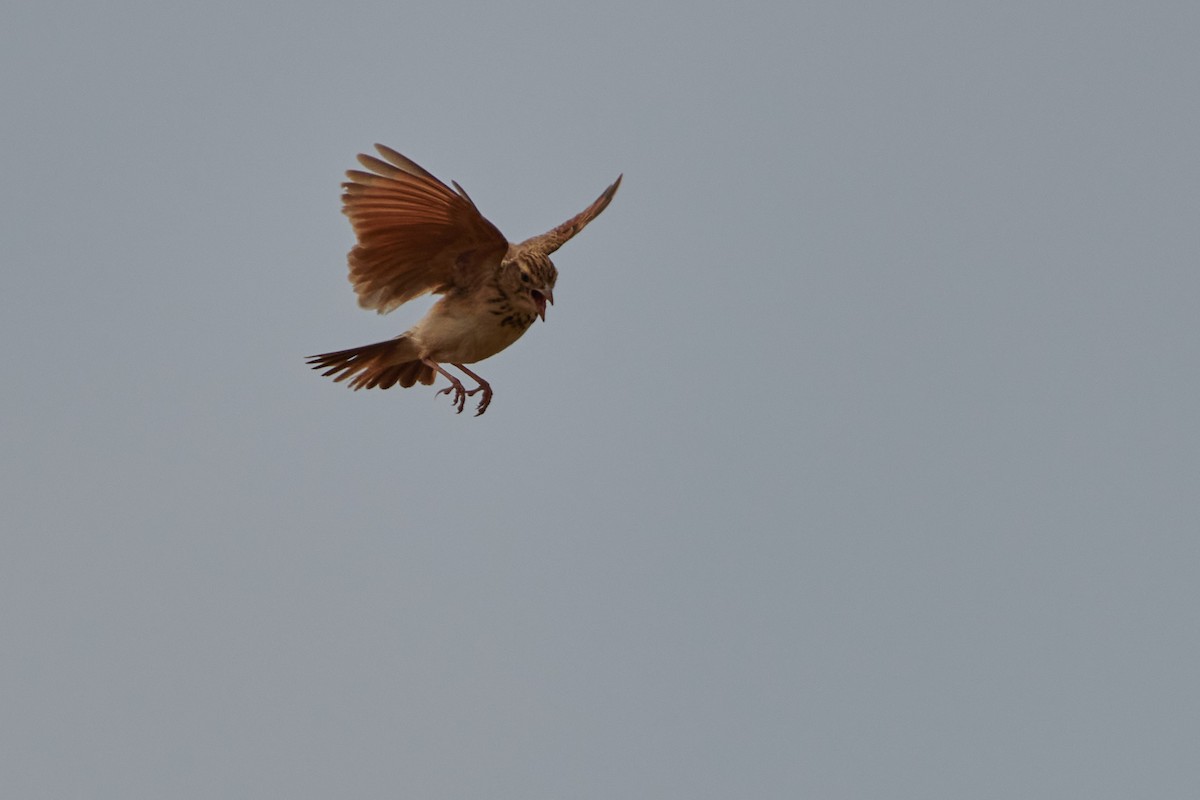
[{"x": 416, "y": 235}]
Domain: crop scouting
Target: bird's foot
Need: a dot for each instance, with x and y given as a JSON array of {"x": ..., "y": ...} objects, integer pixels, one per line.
[
  {"x": 484, "y": 401},
  {"x": 459, "y": 393}
]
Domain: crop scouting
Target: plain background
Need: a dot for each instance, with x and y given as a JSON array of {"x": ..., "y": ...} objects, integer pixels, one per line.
[{"x": 859, "y": 457}]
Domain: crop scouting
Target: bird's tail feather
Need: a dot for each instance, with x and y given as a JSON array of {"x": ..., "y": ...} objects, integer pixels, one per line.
[{"x": 376, "y": 366}]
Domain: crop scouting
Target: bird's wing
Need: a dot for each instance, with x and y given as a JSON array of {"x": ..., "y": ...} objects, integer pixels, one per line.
[
  {"x": 550, "y": 241},
  {"x": 415, "y": 234}
]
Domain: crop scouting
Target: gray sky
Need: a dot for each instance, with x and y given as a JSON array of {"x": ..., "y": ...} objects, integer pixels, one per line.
[{"x": 858, "y": 458}]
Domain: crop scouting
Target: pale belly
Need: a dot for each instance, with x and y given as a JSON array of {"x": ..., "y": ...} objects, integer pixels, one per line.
[{"x": 449, "y": 337}]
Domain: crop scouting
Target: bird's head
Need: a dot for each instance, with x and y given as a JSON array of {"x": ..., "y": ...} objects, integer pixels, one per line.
[{"x": 537, "y": 275}]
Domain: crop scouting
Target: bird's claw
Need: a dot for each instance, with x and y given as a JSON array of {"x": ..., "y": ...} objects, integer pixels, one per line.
[
  {"x": 459, "y": 393},
  {"x": 460, "y": 396},
  {"x": 484, "y": 401}
]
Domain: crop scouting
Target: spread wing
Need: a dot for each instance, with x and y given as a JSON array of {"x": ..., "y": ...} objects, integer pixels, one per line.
[
  {"x": 551, "y": 240},
  {"x": 415, "y": 234}
]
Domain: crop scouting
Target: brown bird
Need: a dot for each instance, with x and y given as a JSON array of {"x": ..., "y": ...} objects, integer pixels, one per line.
[{"x": 416, "y": 235}]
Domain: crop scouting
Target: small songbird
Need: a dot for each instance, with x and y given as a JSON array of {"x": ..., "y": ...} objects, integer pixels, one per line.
[{"x": 416, "y": 235}]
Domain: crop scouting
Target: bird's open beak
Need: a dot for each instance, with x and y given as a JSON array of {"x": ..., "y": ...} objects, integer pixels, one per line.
[{"x": 540, "y": 299}]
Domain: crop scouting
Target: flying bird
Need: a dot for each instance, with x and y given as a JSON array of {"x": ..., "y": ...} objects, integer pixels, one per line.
[{"x": 416, "y": 236}]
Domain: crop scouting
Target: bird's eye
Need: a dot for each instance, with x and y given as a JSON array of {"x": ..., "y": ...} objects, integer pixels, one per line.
[{"x": 525, "y": 277}]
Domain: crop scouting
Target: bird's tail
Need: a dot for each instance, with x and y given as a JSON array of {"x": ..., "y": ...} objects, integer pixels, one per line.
[{"x": 380, "y": 365}]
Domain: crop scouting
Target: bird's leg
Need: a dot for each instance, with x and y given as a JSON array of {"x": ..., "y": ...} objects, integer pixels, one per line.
[
  {"x": 460, "y": 392},
  {"x": 483, "y": 386}
]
